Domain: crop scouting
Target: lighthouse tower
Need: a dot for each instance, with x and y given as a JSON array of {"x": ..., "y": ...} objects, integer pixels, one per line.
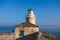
[{"x": 30, "y": 17}]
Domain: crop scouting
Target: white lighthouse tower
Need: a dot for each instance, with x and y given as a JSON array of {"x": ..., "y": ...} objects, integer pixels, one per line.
[{"x": 30, "y": 16}]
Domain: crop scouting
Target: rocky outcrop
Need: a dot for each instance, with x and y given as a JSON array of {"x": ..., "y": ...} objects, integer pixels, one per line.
[{"x": 34, "y": 36}]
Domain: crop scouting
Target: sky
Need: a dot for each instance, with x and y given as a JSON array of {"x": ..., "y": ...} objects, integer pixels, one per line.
[{"x": 14, "y": 12}]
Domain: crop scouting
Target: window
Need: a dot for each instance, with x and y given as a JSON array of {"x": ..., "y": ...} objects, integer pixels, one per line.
[{"x": 22, "y": 33}]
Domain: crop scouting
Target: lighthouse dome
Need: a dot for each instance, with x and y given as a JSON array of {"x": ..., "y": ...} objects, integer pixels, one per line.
[{"x": 30, "y": 13}]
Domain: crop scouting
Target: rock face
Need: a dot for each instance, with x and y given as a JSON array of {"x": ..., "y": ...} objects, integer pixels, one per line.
[{"x": 34, "y": 36}]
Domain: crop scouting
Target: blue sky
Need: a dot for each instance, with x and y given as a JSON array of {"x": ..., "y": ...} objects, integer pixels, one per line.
[{"x": 13, "y": 12}]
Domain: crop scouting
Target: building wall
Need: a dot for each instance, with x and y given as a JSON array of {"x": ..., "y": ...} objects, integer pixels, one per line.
[
  {"x": 27, "y": 31},
  {"x": 32, "y": 20}
]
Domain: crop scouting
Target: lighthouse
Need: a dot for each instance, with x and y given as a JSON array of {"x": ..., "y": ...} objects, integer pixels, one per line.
[
  {"x": 31, "y": 17},
  {"x": 28, "y": 27}
]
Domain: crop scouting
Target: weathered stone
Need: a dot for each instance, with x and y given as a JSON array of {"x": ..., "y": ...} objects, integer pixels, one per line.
[{"x": 27, "y": 27}]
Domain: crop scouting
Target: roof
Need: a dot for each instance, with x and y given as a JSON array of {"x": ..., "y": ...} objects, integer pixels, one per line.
[
  {"x": 30, "y": 9},
  {"x": 26, "y": 24}
]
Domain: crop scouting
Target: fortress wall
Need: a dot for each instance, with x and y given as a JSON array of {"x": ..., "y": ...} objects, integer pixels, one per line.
[{"x": 7, "y": 36}]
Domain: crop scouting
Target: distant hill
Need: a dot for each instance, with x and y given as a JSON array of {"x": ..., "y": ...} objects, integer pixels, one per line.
[
  {"x": 49, "y": 27},
  {"x": 6, "y": 28}
]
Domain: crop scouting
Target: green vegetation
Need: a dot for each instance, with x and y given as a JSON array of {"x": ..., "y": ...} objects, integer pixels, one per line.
[{"x": 49, "y": 36}]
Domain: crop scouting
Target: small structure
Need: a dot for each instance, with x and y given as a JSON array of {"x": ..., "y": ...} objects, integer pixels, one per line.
[{"x": 28, "y": 27}]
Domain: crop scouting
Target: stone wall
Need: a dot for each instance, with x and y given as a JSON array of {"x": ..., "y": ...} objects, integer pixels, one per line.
[
  {"x": 27, "y": 31},
  {"x": 7, "y": 36},
  {"x": 34, "y": 36}
]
